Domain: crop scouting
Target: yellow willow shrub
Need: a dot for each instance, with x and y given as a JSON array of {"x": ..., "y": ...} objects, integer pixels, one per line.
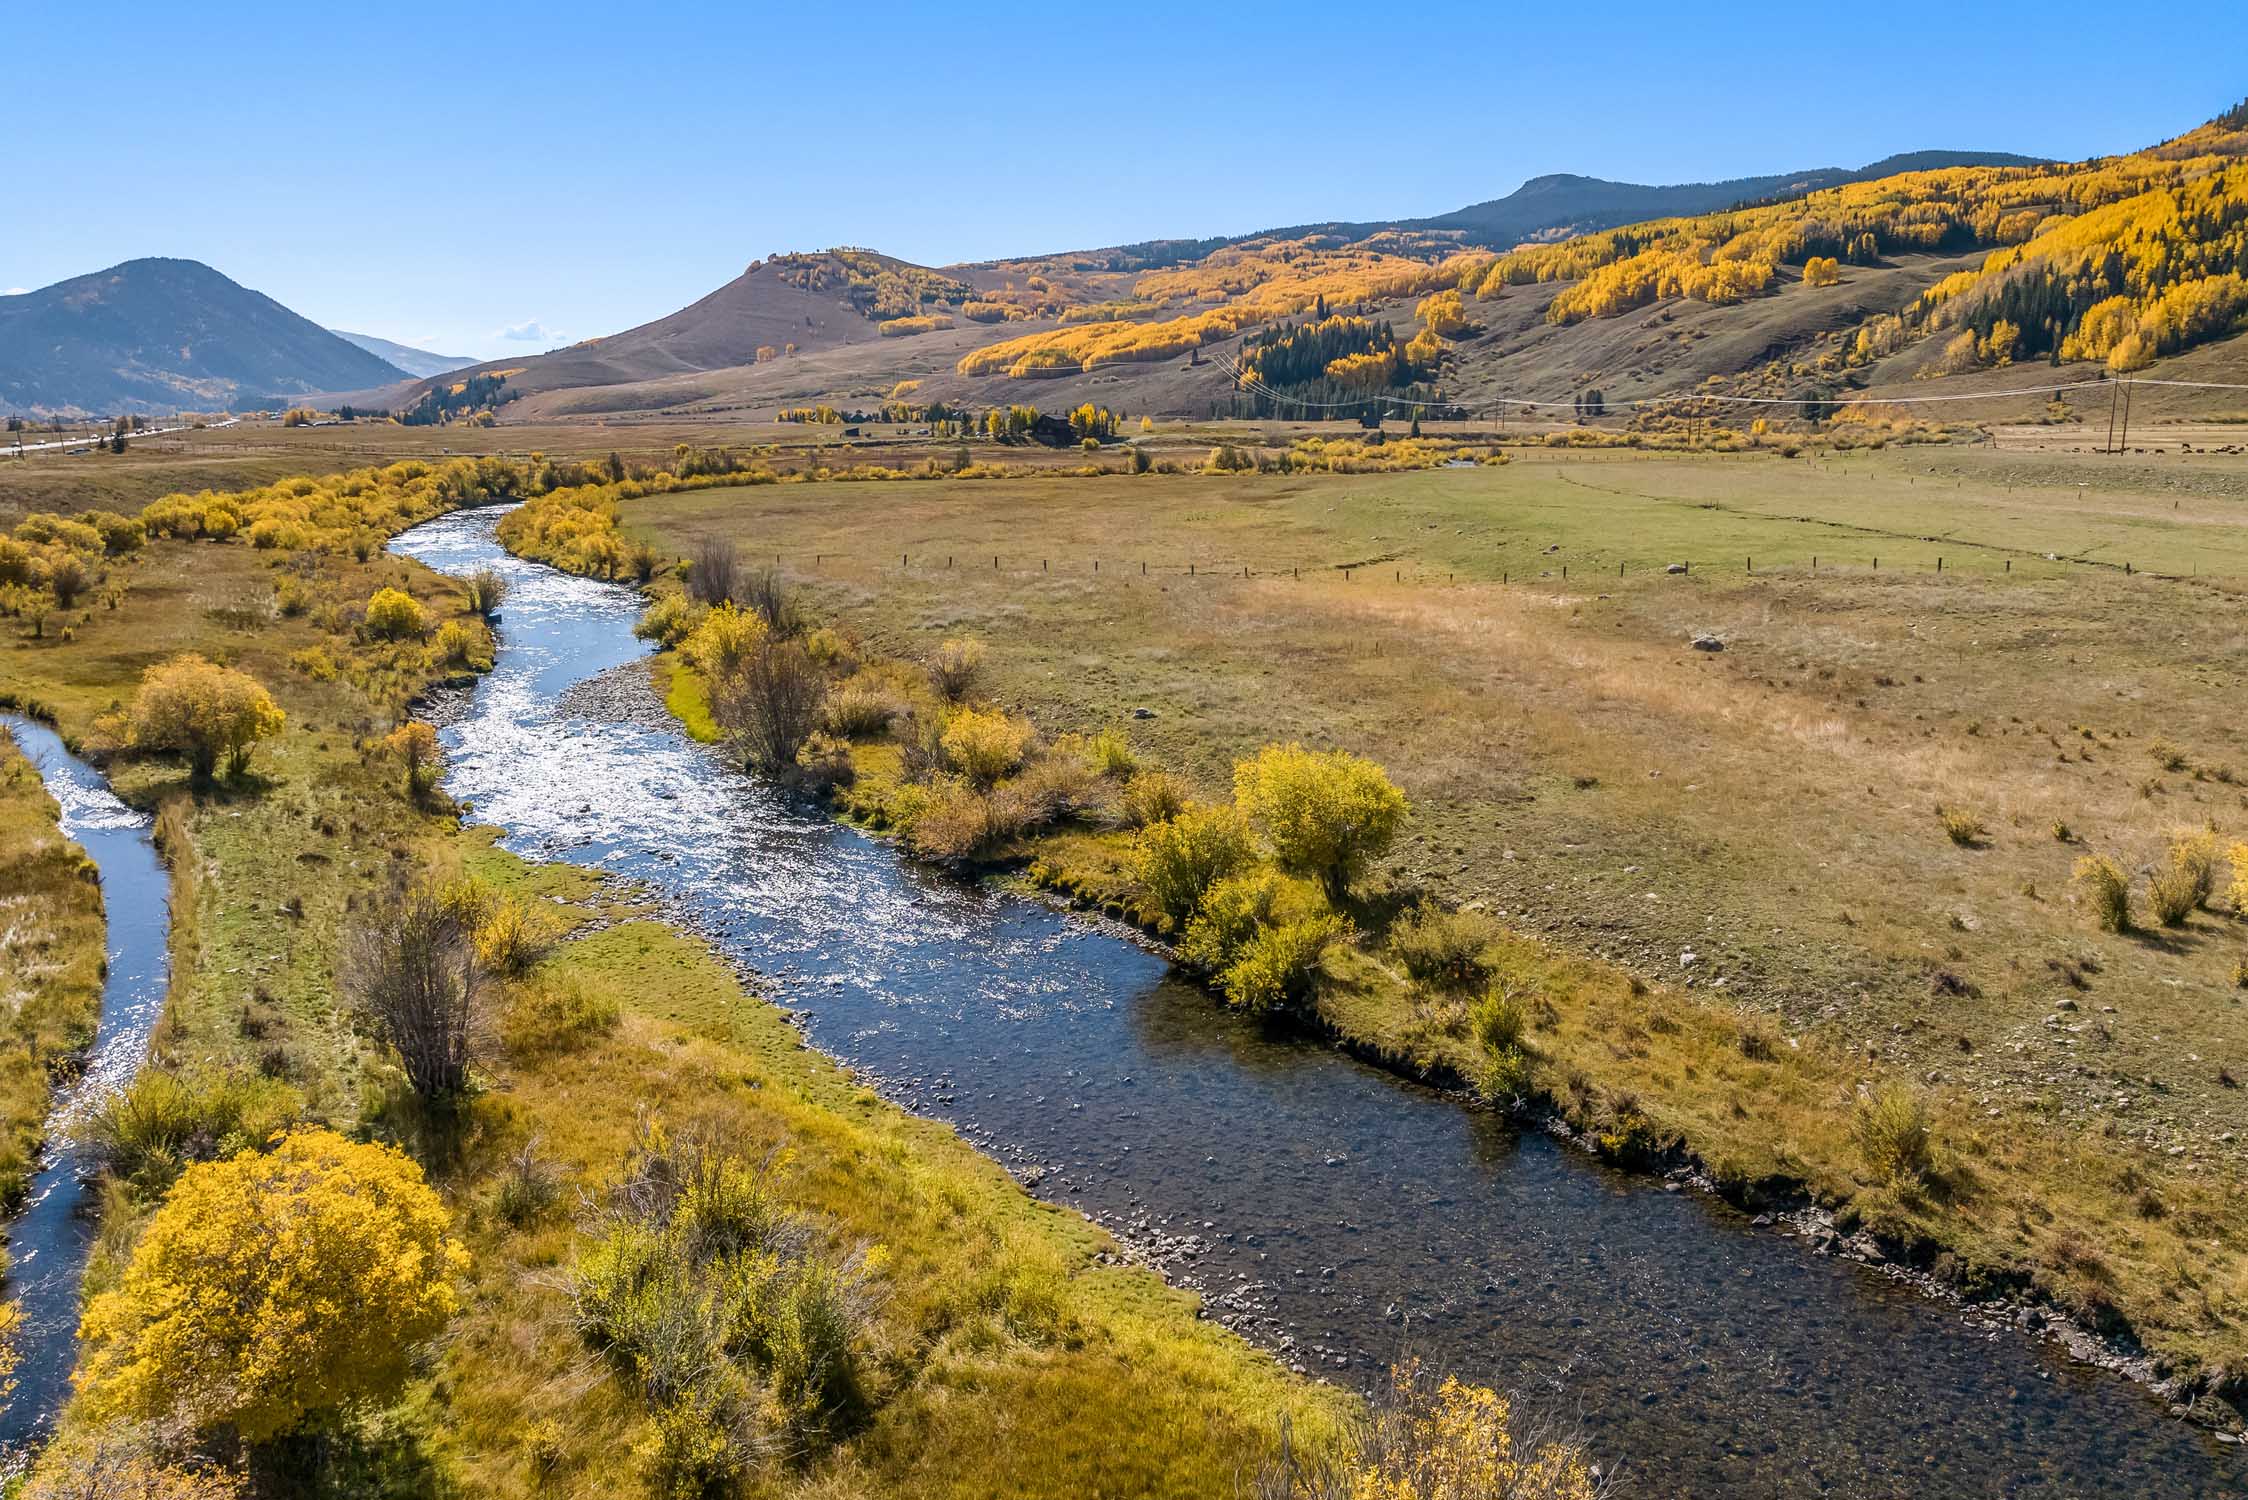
[
  {"x": 268, "y": 1288},
  {"x": 1327, "y": 814},
  {"x": 723, "y": 643},
  {"x": 393, "y": 615},
  {"x": 984, "y": 745},
  {"x": 203, "y": 711},
  {"x": 1425, "y": 1439}
]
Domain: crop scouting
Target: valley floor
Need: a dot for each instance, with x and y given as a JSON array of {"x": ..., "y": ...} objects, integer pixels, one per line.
[
  {"x": 1013, "y": 1349},
  {"x": 1693, "y": 845}
]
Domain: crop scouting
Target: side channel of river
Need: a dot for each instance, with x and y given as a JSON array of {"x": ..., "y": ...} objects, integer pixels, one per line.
[
  {"x": 1328, "y": 1210},
  {"x": 49, "y": 1238}
]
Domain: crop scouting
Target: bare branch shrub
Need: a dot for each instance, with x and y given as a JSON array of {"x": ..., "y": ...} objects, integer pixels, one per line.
[
  {"x": 412, "y": 969},
  {"x": 770, "y": 705},
  {"x": 767, "y": 595},
  {"x": 955, "y": 669},
  {"x": 715, "y": 575}
]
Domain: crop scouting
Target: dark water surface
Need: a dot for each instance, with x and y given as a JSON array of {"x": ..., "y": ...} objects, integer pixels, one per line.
[
  {"x": 1319, "y": 1201},
  {"x": 49, "y": 1239}
]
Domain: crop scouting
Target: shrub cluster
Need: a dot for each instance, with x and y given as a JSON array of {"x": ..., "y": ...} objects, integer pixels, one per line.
[{"x": 717, "y": 1300}]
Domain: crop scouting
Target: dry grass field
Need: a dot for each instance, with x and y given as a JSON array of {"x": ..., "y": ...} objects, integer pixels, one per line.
[{"x": 1758, "y": 825}]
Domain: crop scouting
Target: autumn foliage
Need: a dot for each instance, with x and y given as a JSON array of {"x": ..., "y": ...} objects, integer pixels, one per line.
[
  {"x": 203, "y": 711},
  {"x": 273, "y": 1287}
]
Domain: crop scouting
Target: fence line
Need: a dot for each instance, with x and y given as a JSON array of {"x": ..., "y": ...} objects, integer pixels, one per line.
[{"x": 1812, "y": 564}]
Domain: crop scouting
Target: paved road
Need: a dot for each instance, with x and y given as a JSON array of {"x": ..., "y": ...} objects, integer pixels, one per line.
[{"x": 88, "y": 440}]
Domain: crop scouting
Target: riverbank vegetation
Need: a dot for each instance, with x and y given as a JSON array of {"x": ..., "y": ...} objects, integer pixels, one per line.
[
  {"x": 1578, "y": 911},
  {"x": 895, "y": 1314}
]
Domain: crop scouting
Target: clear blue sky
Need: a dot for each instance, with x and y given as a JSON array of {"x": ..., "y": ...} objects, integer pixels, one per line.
[{"x": 446, "y": 175}]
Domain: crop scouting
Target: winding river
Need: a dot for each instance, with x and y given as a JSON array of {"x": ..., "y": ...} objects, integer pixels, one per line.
[
  {"x": 49, "y": 1238},
  {"x": 1330, "y": 1211}
]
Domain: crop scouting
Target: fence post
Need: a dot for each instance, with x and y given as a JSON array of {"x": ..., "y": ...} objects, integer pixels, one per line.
[
  {"x": 1939, "y": 564},
  {"x": 1752, "y": 565},
  {"x": 901, "y": 559},
  {"x": 1877, "y": 565},
  {"x": 2009, "y": 565},
  {"x": 1143, "y": 570},
  {"x": 1042, "y": 565},
  {"x": 1096, "y": 565}
]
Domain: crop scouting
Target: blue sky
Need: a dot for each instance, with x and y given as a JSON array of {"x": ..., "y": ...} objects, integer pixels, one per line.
[{"x": 496, "y": 178}]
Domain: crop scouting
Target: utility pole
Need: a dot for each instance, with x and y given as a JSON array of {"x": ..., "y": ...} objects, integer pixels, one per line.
[
  {"x": 2113, "y": 394},
  {"x": 2126, "y": 416}
]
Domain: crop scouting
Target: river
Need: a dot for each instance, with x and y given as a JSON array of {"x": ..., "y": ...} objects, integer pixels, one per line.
[
  {"x": 1334, "y": 1213},
  {"x": 50, "y": 1236}
]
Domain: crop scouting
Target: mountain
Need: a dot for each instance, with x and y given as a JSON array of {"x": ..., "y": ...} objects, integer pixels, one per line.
[
  {"x": 1562, "y": 204},
  {"x": 165, "y": 335},
  {"x": 1796, "y": 287},
  {"x": 787, "y": 305},
  {"x": 405, "y": 356}
]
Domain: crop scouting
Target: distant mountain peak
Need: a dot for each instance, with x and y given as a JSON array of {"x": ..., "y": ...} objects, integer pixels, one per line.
[
  {"x": 420, "y": 363},
  {"x": 160, "y": 333}
]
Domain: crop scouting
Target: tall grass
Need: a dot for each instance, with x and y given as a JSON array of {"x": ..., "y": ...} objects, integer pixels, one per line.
[
  {"x": 2187, "y": 879},
  {"x": 2106, "y": 890},
  {"x": 1445, "y": 948},
  {"x": 1893, "y": 1136}
]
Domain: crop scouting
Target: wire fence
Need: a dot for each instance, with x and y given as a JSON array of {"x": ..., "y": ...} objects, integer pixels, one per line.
[{"x": 1976, "y": 562}]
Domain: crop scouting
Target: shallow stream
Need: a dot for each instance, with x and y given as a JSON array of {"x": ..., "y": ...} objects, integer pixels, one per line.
[{"x": 1330, "y": 1211}]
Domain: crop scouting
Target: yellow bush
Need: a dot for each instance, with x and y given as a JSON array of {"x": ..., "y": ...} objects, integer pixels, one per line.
[
  {"x": 271, "y": 1287},
  {"x": 464, "y": 643},
  {"x": 1422, "y": 1439},
  {"x": 724, "y": 642},
  {"x": 2107, "y": 890},
  {"x": 984, "y": 745},
  {"x": 1327, "y": 814},
  {"x": 1180, "y": 858},
  {"x": 1893, "y": 1136},
  {"x": 415, "y": 745},
  {"x": 203, "y": 711},
  {"x": 393, "y": 615}
]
